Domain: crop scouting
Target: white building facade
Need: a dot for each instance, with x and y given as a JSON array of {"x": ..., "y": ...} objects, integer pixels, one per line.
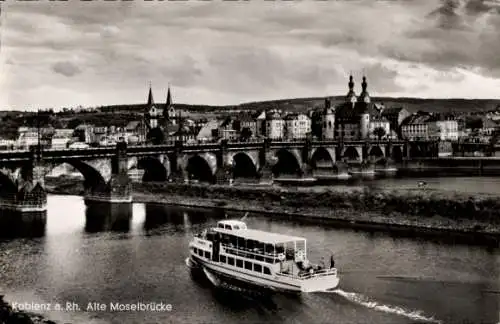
[{"x": 298, "y": 126}]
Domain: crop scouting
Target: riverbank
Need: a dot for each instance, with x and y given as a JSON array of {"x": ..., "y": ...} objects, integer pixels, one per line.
[
  {"x": 8, "y": 315},
  {"x": 431, "y": 212}
]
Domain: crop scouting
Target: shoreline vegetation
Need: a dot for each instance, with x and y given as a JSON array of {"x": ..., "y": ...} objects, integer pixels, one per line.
[
  {"x": 405, "y": 211},
  {"x": 9, "y": 315}
]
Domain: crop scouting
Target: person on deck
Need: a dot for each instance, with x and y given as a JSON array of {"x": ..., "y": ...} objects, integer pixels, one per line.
[
  {"x": 322, "y": 263},
  {"x": 332, "y": 262}
]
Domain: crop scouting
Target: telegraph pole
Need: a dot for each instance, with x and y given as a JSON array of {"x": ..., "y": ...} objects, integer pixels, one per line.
[{"x": 39, "y": 144}]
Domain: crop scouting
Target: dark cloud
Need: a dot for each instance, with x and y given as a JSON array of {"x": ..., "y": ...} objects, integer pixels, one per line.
[
  {"x": 381, "y": 79},
  {"x": 240, "y": 51},
  {"x": 66, "y": 68}
]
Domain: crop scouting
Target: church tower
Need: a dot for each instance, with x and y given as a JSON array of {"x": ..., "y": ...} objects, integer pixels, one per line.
[
  {"x": 169, "y": 112},
  {"x": 328, "y": 121},
  {"x": 364, "y": 96},
  {"x": 351, "y": 95},
  {"x": 152, "y": 112}
]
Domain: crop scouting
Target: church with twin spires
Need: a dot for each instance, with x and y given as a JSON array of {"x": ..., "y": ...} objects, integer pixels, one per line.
[{"x": 157, "y": 120}]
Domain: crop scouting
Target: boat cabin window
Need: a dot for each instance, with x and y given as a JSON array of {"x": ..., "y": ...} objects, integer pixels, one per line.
[
  {"x": 200, "y": 253},
  {"x": 230, "y": 261},
  {"x": 236, "y": 227},
  {"x": 227, "y": 227},
  {"x": 220, "y": 225},
  {"x": 267, "y": 271},
  {"x": 248, "y": 265},
  {"x": 207, "y": 255},
  {"x": 239, "y": 263},
  {"x": 223, "y": 258},
  {"x": 257, "y": 267},
  {"x": 195, "y": 250}
]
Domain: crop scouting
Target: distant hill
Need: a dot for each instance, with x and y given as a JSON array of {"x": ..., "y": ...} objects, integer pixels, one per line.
[
  {"x": 411, "y": 104},
  {"x": 305, "y": 104}
]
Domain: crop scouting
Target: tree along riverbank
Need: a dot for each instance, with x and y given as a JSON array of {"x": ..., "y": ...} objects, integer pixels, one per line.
[
  {"x": 9, "y": 315},
  {"x": 405, "y": 210}
]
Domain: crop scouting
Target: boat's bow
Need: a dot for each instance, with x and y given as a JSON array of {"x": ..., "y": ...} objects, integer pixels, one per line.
[{"x": 320, "y": 281}]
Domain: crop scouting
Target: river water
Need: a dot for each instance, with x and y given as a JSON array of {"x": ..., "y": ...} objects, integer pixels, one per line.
[{"x": 384, "y": 279}]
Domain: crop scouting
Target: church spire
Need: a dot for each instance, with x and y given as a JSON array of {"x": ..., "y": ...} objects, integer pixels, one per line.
[
  {"x": 150, "y": 97},
  {"x": 169, "y": 97}
]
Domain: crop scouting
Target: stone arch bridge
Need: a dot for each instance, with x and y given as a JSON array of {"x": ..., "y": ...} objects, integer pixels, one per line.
[{"x": 105, "y": 170}]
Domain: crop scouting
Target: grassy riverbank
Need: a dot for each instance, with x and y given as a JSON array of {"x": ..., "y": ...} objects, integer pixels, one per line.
[
  {"x": 394, "y": 210},
  {"x": 8, "y": 315}
]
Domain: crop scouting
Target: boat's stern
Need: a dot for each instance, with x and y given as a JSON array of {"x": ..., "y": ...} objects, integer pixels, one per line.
[{"x": 320, "y": 281}]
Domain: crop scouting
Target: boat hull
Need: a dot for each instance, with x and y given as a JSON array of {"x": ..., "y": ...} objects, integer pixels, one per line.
[{"x": 273, "y": 284}]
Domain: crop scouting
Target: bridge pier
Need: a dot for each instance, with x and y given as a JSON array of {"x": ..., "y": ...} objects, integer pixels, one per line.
[
  {"x": 118, "y": 189},
  {"x": 23, "y": 191}
]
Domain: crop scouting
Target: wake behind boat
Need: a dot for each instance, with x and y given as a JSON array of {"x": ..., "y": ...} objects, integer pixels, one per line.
[{"x": 252, "y": 257}]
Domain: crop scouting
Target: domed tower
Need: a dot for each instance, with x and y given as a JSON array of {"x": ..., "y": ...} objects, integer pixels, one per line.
[
  {"x": 328, "y": 121},
  {"x": 364, "y": 100},
  {"x": 351, "y": 95},
  {"x": 364, "y": 96}
]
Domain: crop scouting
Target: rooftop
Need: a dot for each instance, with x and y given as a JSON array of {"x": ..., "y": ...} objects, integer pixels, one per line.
[{"x": 261, "y": 236}]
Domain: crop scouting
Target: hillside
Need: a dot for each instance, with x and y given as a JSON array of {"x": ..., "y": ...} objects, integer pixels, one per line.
[
  {"x": 411, "y": 104},
  {"x": 304, "y": 104}
]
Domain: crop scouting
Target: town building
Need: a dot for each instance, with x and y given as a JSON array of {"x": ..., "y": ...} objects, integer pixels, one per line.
[
  {"x": 420, "y": 126},
  {"x": 448, "y": 129},
  {"x": 275, "y": 126},
  {"x": 395, "y": 116},
  {"x": 61, "y": 139},
  {"x": 297, "y": 126},
  {"x": 184, "y": 134},
  {"x": 84, "y": 133},
  {"x": 210, "y": 131},
  {"x": 248, "y": 126},
  {"x": 379, "y": 127},
  {"x": 28, "y": 137},
  {"x": 489, "y": 127},
  {"x": 261, "y": 122},
  {"x": 134, "y": 132},
  {"x": 229, "y": 129}
]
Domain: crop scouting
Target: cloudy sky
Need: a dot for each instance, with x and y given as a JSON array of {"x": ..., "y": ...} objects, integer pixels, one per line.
[{"x": 213, "y": 52}]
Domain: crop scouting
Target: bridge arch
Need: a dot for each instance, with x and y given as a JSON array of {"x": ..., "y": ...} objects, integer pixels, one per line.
[
  {"x": 375, "y": 153},
  {"x": 321, "y": 158},
  {"x": 244, "y": 166},
  {"x": 415, "y": 151},
  {"x": 198, "y": 168},
  {"x": 154, "y": 169},
  {"x": 287, "y": 163},
  {"x": 94, "y": 176},
  {"x": 351, "y": 153},
  {"x": 397, "y": 154},
  {"x": 8, "y": 180}
]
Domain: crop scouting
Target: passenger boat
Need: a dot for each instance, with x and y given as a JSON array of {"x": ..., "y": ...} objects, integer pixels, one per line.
[{"x": 232, "y": 252}]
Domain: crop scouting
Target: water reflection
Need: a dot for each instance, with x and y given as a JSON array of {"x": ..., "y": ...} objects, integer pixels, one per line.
[
  {"x": 22, "y": 225},
  {"x": 180, "y": 219},
  {"x": 108, "y": 217}
]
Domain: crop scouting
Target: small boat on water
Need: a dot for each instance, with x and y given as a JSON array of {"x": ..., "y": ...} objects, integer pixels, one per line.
[
  {"x": 296, "y": 181},
  {"x": 249, "y": 257},
  {"x": 387, "y": 170},
  {"x": 363, "y": 173}
]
